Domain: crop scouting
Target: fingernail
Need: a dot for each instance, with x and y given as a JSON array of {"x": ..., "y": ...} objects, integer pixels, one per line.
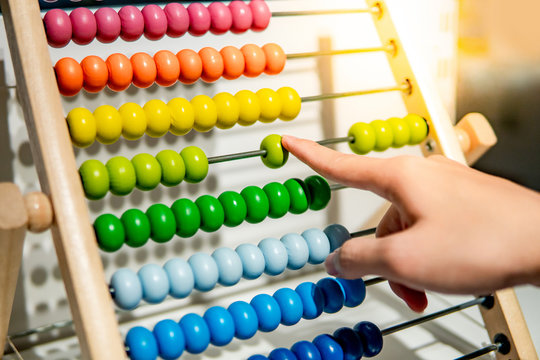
[{"x": 330, "y": 265}]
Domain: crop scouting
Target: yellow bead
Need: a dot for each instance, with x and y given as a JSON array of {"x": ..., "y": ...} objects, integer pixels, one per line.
[
  {"x": 205, "y": 113},
  {"x": 133, "y": 120},
  {"x": 182, "y": 116},
  {"x": 290, "y": 103},
  {"x": 108, "y": 124},
  {"x": 82, "y": 127},
  {"x": 250, "y": 108},
  {"x": 228, "y": 110},
  {"x": 158, "y": 118},
  {"x": 270, "y": 103}
]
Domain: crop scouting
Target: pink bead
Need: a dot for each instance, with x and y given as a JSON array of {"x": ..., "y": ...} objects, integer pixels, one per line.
[
  {"x": 221, "y": 18},
  {"x": 108, "y": 24},
  {"x": 84, "y": 25},
  {"x": 155, "y": 22},
  {"x": 241, "y": 16},
  {"x": 199, "y": 19},
  {"x": 177, "y": 19},
  {"x": 132, "y": 22},
  {"x": 58, "y": 27},
  {"x": 261, "y": 15}
]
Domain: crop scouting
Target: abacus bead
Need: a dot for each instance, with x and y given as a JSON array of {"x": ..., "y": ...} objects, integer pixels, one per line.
[
  {"x": 383, "y": 135},
  {"x": 290, "y": 305},
  {"x": 84, "y": 25},
  {"x": 282, "y": 354},
  {"x": 95, "y": 179},
  {"x": 261, "y": 15},
  {"x": 334, "y": 294},
  {"x": 234, "y": 207},
  {"x": 305, "y": 350},
  {"x": 212, "y": 213},
  {"x": 167, "y": 66},
  {"x": 95, "y": 73},
  {"x": 144, "y": 70},
  {"x": 257, "y": 204},
  {"x": 69, "y": 76},
  {"x": 245, "y": 319},
  {"x": 233, "y": 62},
  {"x": 182, "y": 116},
  {"x": 228, "y": 109},
  {"x": 199, "y": 19},
  {"x": 162, "y": 223},
  {"x": 229, "y": 266},
  {"x": 147, "y": 170},
  {"x": 133, "y": 120},
  {"x": 275, "y": 256},
  {"x": 108, "y": 124},
  {"x": 177, "y": 19},
  {"x": 57, "y": 27},
  {"x": 319, "y": 191},
  {"x": 188, "y": 217},
  {"x": 205, "y": 112},
  {"x": 328, "y": 347},
  {"x": 155, "y": 22},
  {"x": 120, "y": 72},
  {"x": 278, "y": 199},
  {"x": 299, "y": 197},
  {"x": 270, "y": 103},
  {"x": 158, "y": 118},
  {"x": 355, "y": 291},
  {"x": 257, "y": 357},
  {"x": 255, "y": 60},
  {"x": 190, "y": 66},
  {"x": 364, "y": 138},
  {"x": 127, "y": 289},
  {"x": 297, "y": 251},
  {"x": 82, "y": 127},
  {"x": 181, "y": 279},
  {"x": 121, "y": 175},
  {"x": 205, "y": 271},
  {"x": 312, "y": 300},
  {"x": 275, "y": 58},
  {"x": 220, "y": 18},
  {"x": 350, "y": 342},
  {"x": 155, "y": 284},
  {"x": 212, "y": 63},
  {"x": 241, "y": 16},
  {"x": 371, "y": 337},
  {"x": 110, "y": 232},
  {"x": 337, "y": 235},
  {"x": 108, "y": 23},
  {"x": 290, "y": 103},
  {"x": 196, "y": 333},
  {"x": 142, "y": 344},
  {"x": 170, "y": 339},
  {"x": 253, "y": 262},
  {"x": 221, "y": 325},
  {"x": 250, "y": 109},
  {"x": 132, "y": 23},
  {"x": 418, "y": 127},
  {"x": 268, "y": 312},
  {"x": 136, "y": 226},
  {"x": 173, "y": 169},
  {"x": 400, "y": 131}
]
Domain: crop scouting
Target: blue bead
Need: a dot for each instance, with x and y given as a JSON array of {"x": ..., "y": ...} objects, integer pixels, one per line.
[
  {"x": 282, "y": 354},
  {"x": 245, "y": 319},
  {"x": 275, "y": 256},
  {"x": 355, "y": 291},
  {"x": 312, "y": 299},
  {"x": 334, "y": 295},
  {"x": 127, "y": 289},
  {"x": 297, "y": 251},
  {"x": 170, "y": 339},
  {"x": 257, "y": 357},
  {"x": 337, "y": 235},
  {"x": 318, "y": 245},
  {"x": 180, "y": 277},
  {"x": 350, "y": 342},
  {"x": 229, "y": 266},
  {"x": 196, "y": 333},
  {"x": 205, "y": 271},
  {"x": 290, "y": 305},
  {"x": 304, "y": 350},
  {"x": 328, "y": 347},
  {"x": 371, "y": 338},
  {"x": 141, "y": 344},
  {"x": 268, "y": 312},
  {"x": 155, "y": 283},
  {"x": 252, "y": 261},
  {"x": 221, "y": 325}
]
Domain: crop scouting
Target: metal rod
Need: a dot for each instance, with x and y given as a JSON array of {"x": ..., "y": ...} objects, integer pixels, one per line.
[
  {"x": 335, "y": 187},
  {"x": 387, "y": 48},
  {"x": 403, "y": 87},
  {"x": 477, "y": 353},
  {"x": 336, "y": 140},
  {"x": 374, "y": 281},
  {"x": 236, "y": 156},
  {"x": 325, "y": 12},
  {"x": 366, "y": 232}
]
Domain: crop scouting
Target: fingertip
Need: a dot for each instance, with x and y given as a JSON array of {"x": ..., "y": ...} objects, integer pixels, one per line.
[
  {"x": 416, "y": 300},
  {"x": 330, "y": 265}
]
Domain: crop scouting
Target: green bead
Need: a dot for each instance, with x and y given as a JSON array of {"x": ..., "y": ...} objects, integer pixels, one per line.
[
  {"x": 196, "y": 164},
  {"x": 418, "y": 127},
  {"x": 109, "y": 232},
  {"x": 162, "y": 223},
  {"x": 212, "y": 213},
  {"x": 136, "y": 226},
  {"x": 173, "y": 169},
  {"x": 188, "y": 217},
  {"x": 147, "y": 170},
  {"x": 278, "y": 198},
  {"x": 234, "y": 206},
  {"x": 400, "y": 130},
  {"x": 383, "y": 135},
  {"x": 257, "y": 204},
  {"x": 95, "y": 179},
  {"x": 299, "y": 195},
  {"x": 319, "y": 191},
  {"x": 364, "y": 138},
  {"x": 121, "y": 175},
  {"x": 276, "y": 156}
]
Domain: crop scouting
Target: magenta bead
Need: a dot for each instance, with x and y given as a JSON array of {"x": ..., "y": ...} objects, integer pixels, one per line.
[
  {"x": 177, "y": 19},
  {"x": 221, "y": 18},
  {"x": 84, "y": 25},
  {"x": 58, "y": 27},
  {"x": 155, "y": 22},
  {"x": 199, "y": 19},
  {"x": 261, "y": 15},
  {"x": 108, "y": 24},
  {"x": 132, "y": 22},
  {"x": 241, "y": 16}
]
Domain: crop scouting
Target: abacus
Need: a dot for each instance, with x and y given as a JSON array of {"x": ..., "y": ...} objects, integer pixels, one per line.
[{"x": 55, "y": 130}]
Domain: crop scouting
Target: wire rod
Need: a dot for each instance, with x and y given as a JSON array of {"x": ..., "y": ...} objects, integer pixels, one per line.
[
  {"x": 366, "y": 232},
  {"x": 388, "y": 48},
  {"x": 405, "y": 87},
  {"x": 477, "y": 353},
  {"x": 236, "y": 156},
  {"x": 374, "y": 10}
]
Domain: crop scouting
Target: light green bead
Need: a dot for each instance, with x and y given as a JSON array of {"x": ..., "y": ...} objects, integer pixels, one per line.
[
  {"x": 364, "y": 138},
  {"x": 276, "y": 155},
  {"x": 147, "y": 170},
  {"x": 121, "y": 175},
  {"x": 418, "y": 127},
  {"x": 173, "y": 169},
  {"x": 383, "y": 135},
  {"x": 95, "y": 179},
  {"x": 400, "y": 131},
  {"x": 196, "y": 164}
]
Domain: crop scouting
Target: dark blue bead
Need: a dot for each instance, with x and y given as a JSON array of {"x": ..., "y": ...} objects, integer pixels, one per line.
[
  {"x": 245, "y": 319},
  {"x": 221, "y": 325},
  {"x": 371, "y": 337},
  {"x": 334, "y": 294},
  {"x": 170, "y": 339},
  {"x": 355, "y": 291},
  {"x": 268, "y": 312},
  {"x": 141, "y": 344},
  {"x": 257, "y": 357},
  {"x": 350, "y": 342},
  {"x": 290, "y": 305},
  {"x": 196, "y": 333},
  {"x": 329, "y": 348},
  {"x": 312, "y": 299},
  {"x": 304, "y": 350},
  {"x": 282, "y": 354},
  {"x": 337, "y": 234}
]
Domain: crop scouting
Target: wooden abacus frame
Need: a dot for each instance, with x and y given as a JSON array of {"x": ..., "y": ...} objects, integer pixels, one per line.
[{"x": 74, "y": 239}]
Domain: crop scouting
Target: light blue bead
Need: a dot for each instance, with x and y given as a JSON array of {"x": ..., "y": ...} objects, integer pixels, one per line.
[
  {"x": 334, "y": 294},
  {"x": 290, "y": 305},
  {"x": 275, "y": 256},
  {"x": 312, "y": 299},
  {"x": 155, "y": 283},
  {"x": 229, "y": 266},
  {"x": 297, "y": 251},
  {"x": 245, "y": 319},
  {"x": 170, "y": 339},
  {"x": 205, "y": 271},
  {"x": 355, "y": 291},
  {"x": 127, "y": 289},
  {"x": 180, "y": 276},
  {"x": 252, "y": 261},
  {"x": 141, "y": 344},
  {"x": 318, "y": 244},
  {"x": 196, "y": 333},
  {"x": 337, "y": 235},
  {"x": 221, "y": 325},
  {"x": 268, "y": 312}
]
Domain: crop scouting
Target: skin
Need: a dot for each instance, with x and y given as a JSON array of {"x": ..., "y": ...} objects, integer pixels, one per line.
[{"x": 450, "y": 228}]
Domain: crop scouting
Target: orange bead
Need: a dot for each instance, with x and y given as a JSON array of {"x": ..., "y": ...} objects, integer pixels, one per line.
[
  {"x": 212, "y": 64},
  {"x": 190, "y": 66},
  {"x": 255, "y": 60},
  {"x": 233, "y": 62},
  {"x": 69, "y": 76},
  {"x": 168, "y": 68},
  {"x": 95, "y": 73},
  {"x": 120, "y": 72},
  {"x": 144, "y": 70},
  {"x": 275, "y": 59}
]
